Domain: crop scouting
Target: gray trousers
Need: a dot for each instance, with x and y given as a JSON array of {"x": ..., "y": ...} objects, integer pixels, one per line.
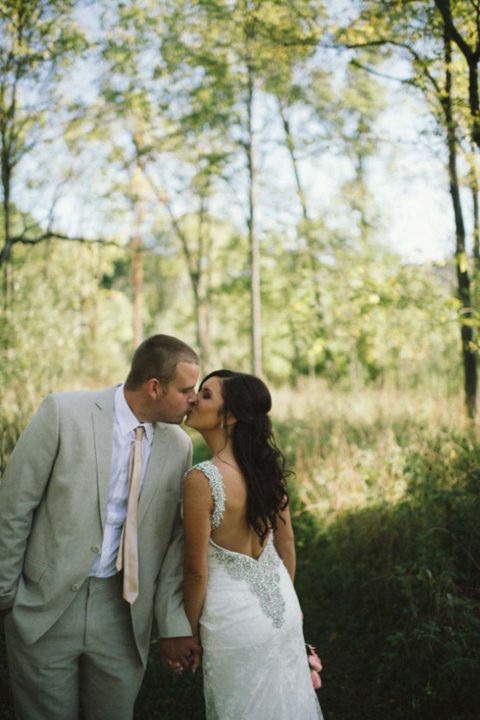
[{"x": 86, "y": 665}]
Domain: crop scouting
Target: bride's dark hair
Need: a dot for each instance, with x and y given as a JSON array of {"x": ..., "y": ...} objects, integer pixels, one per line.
[{"x": 248, "y": 399}]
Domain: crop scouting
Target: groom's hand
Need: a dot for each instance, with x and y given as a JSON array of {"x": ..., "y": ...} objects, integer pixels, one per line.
[{"x": 181, "y": 653}]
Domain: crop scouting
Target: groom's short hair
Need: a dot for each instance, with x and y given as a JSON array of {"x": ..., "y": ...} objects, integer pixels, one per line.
[{"x": 158, "y": 357}]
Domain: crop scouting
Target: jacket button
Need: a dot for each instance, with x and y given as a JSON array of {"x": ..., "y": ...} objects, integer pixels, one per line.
[
  {"x": 75, "y": 587},
  {"x": 95, "y": 548}
]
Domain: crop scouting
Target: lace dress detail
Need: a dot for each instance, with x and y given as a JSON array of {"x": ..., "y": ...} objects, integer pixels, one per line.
[{"x": 212, "y": 473}]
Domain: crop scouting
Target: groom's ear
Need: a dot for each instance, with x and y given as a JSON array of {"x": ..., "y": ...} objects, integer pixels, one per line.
[{"x": 154, "y": 388}]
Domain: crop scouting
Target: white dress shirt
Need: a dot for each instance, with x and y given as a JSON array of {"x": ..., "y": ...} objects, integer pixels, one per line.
[{"x": 124, "y": 424}]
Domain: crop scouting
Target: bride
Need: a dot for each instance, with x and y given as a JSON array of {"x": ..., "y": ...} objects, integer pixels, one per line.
[{"x": 240, "y": 560}]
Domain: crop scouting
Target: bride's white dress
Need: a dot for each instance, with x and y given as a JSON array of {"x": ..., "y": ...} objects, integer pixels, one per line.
[{"x": 254, "y": 663}]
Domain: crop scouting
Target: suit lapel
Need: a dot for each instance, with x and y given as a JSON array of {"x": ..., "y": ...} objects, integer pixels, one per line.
[
  {"x": 102, "y": 417},
  {"x": 153, "y": 476}
]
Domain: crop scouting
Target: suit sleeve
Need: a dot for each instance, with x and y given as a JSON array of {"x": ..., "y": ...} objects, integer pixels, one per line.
[
  {"x": 169, "y": 611},
  {"x": 21, "y": 491}
]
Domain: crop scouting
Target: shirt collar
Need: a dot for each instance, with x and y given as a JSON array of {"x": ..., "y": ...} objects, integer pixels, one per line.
[{"x": 126, "y": 419}]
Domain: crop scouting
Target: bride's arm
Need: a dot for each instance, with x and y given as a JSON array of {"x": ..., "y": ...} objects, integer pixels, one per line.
[
  {"x": 285, "y": 541},
  {"x": 197, "y": 509}
]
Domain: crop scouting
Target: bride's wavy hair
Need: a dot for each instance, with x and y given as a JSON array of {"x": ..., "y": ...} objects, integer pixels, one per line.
[{"x": 248, "y": 399}]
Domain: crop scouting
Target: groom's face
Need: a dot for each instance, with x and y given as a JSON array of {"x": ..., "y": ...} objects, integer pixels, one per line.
[{"x": 177, "y": 399}]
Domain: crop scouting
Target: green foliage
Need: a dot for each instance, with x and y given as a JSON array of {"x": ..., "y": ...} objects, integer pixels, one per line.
[
  {"x": 59, "y": 331},
  {"x": 373, "y": 319}
]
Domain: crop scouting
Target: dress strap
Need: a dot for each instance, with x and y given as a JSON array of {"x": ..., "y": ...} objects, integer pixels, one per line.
[{"x": 215, "y": 482}]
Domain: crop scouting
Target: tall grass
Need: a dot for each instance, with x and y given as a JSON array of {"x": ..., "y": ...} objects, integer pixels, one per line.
[
  {"x": 386, "y": 506},
  {"x": 349, "y": 449}
]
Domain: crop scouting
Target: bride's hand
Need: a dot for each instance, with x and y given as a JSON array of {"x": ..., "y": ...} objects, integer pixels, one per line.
[
  {"x": 196, "y": 657},
  {"x": 181, "y": 653}
]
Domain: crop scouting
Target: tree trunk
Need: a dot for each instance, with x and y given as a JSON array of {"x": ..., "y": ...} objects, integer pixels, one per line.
[
  {"x": 137, "y": 286},
  {"x": 471, "y": 53},
  {"x": 137, "y": 258},
  {"x": 197, "y": 267},
  {"x": 202, "y": 295},
  {"x": 137, "y": 247},
  {"x": 5, "y": 252},
  {"x": 461, "y": 260},
  {"x": 203, "y": 335},
  {"x": 312, "y": 258},
  {"x": 476, "y": 213},
  {"x": 476, "y": 235},
  {"x": 474, "y": 102},
  {"x": 254, "y": 245},
  {"x": 476, "y": 225}
]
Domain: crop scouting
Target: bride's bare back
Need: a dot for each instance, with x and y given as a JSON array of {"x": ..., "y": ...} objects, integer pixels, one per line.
[{"x": 234, "y": 533}]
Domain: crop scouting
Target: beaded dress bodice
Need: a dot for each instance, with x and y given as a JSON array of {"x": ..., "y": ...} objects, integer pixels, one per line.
[{"x": 261, "y": 574}]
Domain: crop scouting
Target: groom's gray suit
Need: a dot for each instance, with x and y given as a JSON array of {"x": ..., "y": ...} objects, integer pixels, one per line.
[{"x": 52, "y": 510}]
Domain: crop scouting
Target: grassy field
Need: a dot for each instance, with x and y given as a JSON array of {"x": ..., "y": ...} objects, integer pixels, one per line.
[
  {"x": 386, "y": 509},
  {"x": 386, "y": 505}
]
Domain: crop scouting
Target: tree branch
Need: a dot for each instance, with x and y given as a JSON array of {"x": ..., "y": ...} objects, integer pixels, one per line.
[
  {"x": 443, "y": 7},
  {"x": 5, "y": 252},
  {"x": 59, "y": 236},
  {"x": 394, "y": 43}
]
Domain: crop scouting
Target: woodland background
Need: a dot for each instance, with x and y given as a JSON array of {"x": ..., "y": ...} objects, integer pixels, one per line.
[{"x": 205, "y": 168}]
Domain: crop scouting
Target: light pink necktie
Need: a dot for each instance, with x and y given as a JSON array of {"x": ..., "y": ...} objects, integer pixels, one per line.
[{"x": 128, "y": 550}]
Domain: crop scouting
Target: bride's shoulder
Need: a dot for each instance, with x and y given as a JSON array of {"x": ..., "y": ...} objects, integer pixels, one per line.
[
  {"x": 203, "y": 474},
  {"x": 196, "y": 486},
  {"x": 208, "y": 470},
  {"x": 204, "y": 478}
]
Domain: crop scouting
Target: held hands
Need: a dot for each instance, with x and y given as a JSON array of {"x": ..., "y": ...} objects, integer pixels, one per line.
[{"x": 181, "y": 653}]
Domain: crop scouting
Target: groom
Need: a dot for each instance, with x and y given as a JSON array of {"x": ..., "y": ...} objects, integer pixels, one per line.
[{"x": 78, "y": 629}]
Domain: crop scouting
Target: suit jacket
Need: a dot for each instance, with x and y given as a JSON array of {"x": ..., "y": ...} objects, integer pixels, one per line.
[{"x": 53, "y": 500}]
